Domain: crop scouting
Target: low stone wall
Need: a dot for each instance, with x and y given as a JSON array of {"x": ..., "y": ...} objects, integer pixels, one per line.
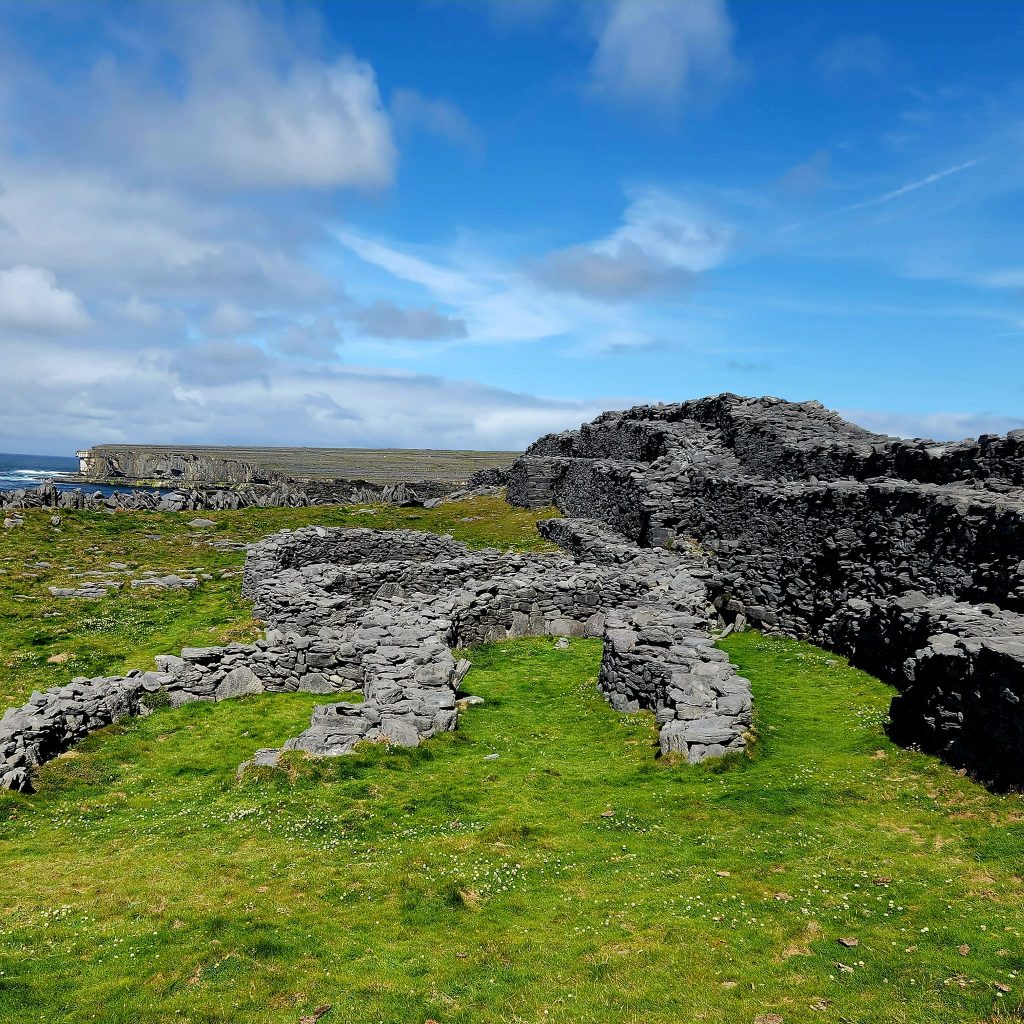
[
  {"x": 312, "y": 545},
  {"x": 959, "y": 670},
  {"x": 424, "y": 607},
  {"x": 664, "y": 661},
  {"x": 381, "y": 611},
  {"x": 52, "y": 722}
]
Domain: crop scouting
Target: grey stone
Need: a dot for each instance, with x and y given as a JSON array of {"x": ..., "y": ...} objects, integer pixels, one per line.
[
  {"x": 314, "y": 682},
  {"x": 239, "y": 682}
]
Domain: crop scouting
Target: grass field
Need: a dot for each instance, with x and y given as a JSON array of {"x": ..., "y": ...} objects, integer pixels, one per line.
[{"x": 826, "y": 876}]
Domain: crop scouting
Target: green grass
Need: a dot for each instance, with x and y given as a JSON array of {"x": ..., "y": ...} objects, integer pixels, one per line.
[
  {"x": 574, "y": 879},
  {"x": 126, "y": 629},
  {"x": 143, "y": 883}
]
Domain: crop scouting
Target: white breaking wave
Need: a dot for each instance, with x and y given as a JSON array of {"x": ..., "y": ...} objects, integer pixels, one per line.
[{"x": 30, "y": 474}]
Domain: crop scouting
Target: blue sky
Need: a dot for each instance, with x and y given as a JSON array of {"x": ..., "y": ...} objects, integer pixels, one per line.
[{"x": 463, "y": 224}]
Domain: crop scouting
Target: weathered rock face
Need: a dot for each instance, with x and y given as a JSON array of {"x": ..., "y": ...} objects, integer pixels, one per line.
[
  {"x": 107, "y": 462},
  {"x": 820, "y": 528}
]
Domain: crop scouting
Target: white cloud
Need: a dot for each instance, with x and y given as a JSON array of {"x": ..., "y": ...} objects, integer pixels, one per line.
[
  {"x": 662, "y": 241},
  {"x": 221, "y": 94},
  {"x": 220, "y": 362},
  {"x": 661, "y": 244},
  {"x": 313, "y": 126},
  {"x": 316, "y": 340},
  {"x": 30, "y": 300},
  {"x": 103, "y": 233},
  {"x": 942, "y": 426},
  {"x": 78, "y": 219},
  {"x": 497, "y": 304},
  {"x": 59, "y": 400},
  {"x": 619, "y": 271},
  {"x": 134, "y": 310},
  {"x": 652, "y": 51}
]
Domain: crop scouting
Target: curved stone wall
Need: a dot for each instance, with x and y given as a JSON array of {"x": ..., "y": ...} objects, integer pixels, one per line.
[
  {"x": 381, "y": 611},
  {"x": 816, "y": 527}
]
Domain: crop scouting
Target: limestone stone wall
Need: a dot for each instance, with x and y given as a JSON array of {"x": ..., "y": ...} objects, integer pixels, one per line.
[
  {"x": 814, "y": 525},
  {"x": 52, "y": 722},
  {"x": 381, "y": 611}
]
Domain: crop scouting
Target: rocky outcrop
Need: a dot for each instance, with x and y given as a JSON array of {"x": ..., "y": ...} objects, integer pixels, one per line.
[
  {"x": 819, "y": 528},
  {"x": 231, "y": 465},
  {"x": 194, "y": 499}
]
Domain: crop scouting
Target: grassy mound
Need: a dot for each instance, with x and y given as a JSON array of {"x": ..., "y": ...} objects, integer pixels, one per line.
[{"x": 573, "y": 878}]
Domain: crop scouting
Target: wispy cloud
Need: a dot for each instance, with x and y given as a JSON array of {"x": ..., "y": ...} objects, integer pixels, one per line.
[
  {"x": 864, "y": 53},
  {"x": 942, "y": 426},
  {"x": 383, "y": 319},
  {"x": 440, "y": 117}
]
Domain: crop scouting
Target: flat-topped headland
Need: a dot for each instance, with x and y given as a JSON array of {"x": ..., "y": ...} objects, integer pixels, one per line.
[{"x": 212, "y": 465}]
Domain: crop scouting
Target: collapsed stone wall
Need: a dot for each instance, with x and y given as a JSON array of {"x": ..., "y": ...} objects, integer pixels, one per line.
[
  {"x": 52, "y": 722},
  {"x": 381, "y": 611},
  {"x": 815, "y": 525}
]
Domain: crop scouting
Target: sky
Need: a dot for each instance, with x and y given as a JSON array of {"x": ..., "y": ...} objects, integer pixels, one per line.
[{"x": 463, "y": 224}]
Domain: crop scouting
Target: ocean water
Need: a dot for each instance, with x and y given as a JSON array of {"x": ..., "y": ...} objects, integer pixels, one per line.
[{"x": 29, "y": 470}]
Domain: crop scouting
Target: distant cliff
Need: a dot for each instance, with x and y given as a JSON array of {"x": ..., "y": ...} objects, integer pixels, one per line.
[
  {"x": 180, "y": 467},
  {"x": 186, "y": 465}
]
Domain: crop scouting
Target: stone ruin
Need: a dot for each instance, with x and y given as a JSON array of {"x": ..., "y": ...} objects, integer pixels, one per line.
[
  {"x": 678, "y": 521},
  {"x": 380, "y": 611},
  {"x": 905, "y": 555}
]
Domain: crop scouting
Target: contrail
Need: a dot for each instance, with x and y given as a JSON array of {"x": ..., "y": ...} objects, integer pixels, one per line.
[{"x": 888, "y": 197}]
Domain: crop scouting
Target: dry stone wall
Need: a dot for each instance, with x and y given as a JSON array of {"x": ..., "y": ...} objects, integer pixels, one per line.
[
  {"x": 381, "y": 611},
  {"x": 819, "y": 528}
]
